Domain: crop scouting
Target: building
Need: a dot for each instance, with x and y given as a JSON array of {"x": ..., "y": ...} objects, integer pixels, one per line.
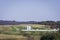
[{"x": 29, "y": 27}]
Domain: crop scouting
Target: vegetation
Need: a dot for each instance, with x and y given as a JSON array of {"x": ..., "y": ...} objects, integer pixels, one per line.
[
  {"x": 15, "y": 30},
  {"x": 48, "y": 37}
]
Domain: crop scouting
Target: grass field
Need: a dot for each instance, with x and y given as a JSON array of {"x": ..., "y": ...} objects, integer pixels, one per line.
[
  {"x": 24, "y": 25},
  {"x": 12, "y": 37},
  {"x": 9, "y": 32}
]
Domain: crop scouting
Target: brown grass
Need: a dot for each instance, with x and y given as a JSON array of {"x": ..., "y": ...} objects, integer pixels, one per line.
[{"x": 12, "y": 37}]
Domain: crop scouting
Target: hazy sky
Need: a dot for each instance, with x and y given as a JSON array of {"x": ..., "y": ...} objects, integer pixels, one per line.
[{"x": 30, "y": 10}]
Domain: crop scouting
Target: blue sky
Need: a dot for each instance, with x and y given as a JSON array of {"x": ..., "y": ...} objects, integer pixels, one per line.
[{"x": 30, "y": 10}]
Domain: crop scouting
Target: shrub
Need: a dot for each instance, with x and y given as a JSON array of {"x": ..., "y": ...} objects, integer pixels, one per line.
[{"x": 47, "y": 37}]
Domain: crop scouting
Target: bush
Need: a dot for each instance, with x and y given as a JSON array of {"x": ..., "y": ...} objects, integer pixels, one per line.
[
  {"x": 48, "y": 37},
  {"x": 57, "y": 36}
]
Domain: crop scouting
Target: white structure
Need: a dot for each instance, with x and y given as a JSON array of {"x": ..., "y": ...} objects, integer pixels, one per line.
[{"x": 28, "y": 27}]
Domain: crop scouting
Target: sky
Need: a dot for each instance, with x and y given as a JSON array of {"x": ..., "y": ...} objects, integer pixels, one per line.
[{"x": 30, "y": 10}]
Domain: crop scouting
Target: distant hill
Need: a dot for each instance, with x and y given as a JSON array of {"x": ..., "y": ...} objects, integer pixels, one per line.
[
  {"x": 3, "y": 22},
  {"x": 53, "y": 24}
]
